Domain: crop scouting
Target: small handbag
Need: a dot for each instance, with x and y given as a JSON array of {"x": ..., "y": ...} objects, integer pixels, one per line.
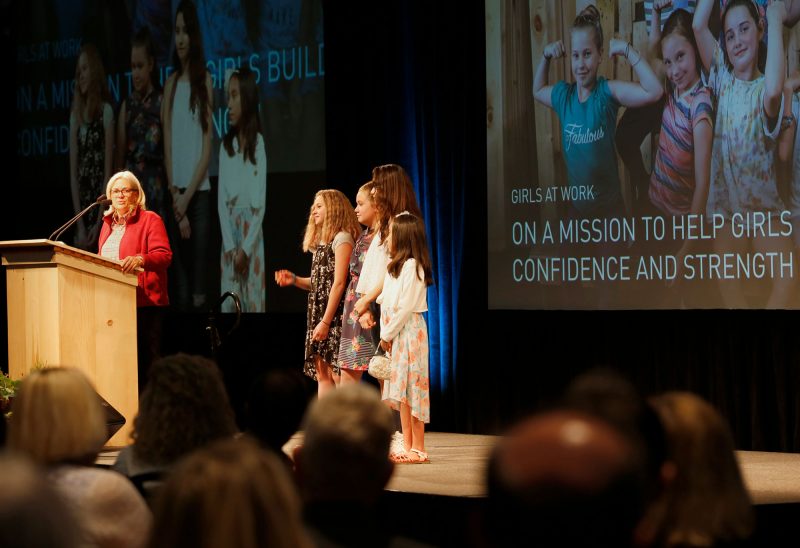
[{"x": 380, "y": 365}]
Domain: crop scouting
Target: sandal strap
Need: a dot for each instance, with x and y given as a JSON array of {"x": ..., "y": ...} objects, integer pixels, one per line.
[{"x": 422, "y": 454}]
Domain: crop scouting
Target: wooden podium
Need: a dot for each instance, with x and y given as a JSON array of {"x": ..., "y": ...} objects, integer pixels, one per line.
[{"x": 73, "y": 308}]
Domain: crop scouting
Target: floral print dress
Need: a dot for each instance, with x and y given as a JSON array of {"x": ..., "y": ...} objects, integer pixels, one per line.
[
  {"x": 91, "y": 168},
  {"x": 323, "y": 267},
  {"x": 402, "y": 302},
  {"x": 743, "y": 155},
  {"x": 358, "y": 344},
  {"x": 144, "y": 155}
]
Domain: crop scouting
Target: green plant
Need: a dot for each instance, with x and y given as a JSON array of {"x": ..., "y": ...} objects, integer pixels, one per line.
[{"x": 8, "y": 388}]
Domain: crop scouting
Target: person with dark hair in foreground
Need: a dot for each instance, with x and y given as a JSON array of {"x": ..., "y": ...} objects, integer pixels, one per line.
[
  {"x": 230, "y": 494},
  {"x": 563, "y": 478},
  {"x": 32, "y": 513},
  {"x": 707, "y": 504},
  {"x": 344, "y": 464},
  {"x": 184, "y": 407},
  {"x": 274, "y": 408},
  {"x": 605, "y": 394}
]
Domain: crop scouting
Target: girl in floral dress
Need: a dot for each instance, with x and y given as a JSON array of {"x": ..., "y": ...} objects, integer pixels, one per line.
[
  {"x": 404, "y": 333},
  {"x": 358, "y": 344},
  {"x": 330, "y": 233}
]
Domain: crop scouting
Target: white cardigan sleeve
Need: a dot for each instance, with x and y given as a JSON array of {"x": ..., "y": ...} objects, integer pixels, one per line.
[{"x": 411, "y": 298}]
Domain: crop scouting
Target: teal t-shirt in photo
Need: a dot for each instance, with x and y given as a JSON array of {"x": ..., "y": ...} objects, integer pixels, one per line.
[{"x": 587, "y": 142}]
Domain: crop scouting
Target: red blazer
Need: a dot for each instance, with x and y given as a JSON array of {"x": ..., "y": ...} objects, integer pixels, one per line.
[{"x": 145, "y": 235}]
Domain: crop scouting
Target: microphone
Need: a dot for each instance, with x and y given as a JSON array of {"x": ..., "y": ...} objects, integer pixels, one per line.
[{"x": 57, "y": 233}]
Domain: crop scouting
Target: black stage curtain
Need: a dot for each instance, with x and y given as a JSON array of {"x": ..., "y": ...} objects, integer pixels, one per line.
[{"x": 406, "y": 83}]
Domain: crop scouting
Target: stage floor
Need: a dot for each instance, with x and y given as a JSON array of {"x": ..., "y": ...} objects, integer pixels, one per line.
[{"x": 458, "y": 463}]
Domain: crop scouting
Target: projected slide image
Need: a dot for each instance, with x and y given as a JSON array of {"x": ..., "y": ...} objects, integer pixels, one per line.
[
  {"x": 634, "y": 163},
  {"x": 211, "y": 104}
]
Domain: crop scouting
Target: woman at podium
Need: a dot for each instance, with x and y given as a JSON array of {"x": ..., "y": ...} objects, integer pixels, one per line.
[{"x": 137, "y": 238}]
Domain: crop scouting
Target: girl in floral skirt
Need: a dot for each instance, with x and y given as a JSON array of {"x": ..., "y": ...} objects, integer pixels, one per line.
[{"x": 404, "y": 333}]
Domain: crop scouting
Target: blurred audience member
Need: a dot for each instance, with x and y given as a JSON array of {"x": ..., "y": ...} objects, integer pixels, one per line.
[
  {"x": 274, "y": 408},
  {"x": 344, "y": 464},
  {"x": 706, "y": 504},
  {"x": 183, "y": 407},
  {"x": 232, "y": 494},
  {"x": 59, "y": 422},
  {"x": 32, "y": 512},
  {"x": 605, "y": 394},
  {"x": 564, "y": 478}
]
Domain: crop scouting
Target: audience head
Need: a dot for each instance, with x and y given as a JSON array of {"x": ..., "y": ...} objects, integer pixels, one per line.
[
  {"x": 230, "y": 493},
  {"x": 345, "y": 453},
  {"x": 32, "y": 512},
  {"x": 57, "y": 417},
  {"x": 183, "y": 406},
  {"x": 707, "y": 502},
  {"x": 275, "y": 406},
  {"x": 607, "y": 395},
  {"x": 563, "y": 478}
]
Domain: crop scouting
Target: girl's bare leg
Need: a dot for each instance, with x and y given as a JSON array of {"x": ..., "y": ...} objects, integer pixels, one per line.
[
  {"x": 350, "y": 377},
  {"x": 325, "y": 381}
]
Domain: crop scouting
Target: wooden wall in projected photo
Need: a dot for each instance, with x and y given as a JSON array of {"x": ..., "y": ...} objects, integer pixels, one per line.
[{"x": 523, "y": 137}]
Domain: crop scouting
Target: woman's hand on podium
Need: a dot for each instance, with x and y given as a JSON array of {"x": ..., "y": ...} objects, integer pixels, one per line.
[{"x": 131, "y": 263}]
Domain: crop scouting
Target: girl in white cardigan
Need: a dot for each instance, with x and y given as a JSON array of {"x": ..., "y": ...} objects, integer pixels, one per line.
[{"x": 404, "y": 333}]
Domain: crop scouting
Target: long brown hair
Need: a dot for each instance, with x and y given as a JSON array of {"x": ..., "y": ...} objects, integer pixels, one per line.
[
  {"x": 198, "y": 95},
  {"x": 394, "y": 194},
  {"x": 409, "y": 242},
  {"x": 752, "y": 8},
  {"x": 261, "y": 507},
  {"x": 183, "y": 406},
  {"x": 680, "y": 23},
  {"x": 339, "y": 217},
  {"x": 707, "y": 501},
  {"x": 90, "y": 104},
  {"x": 249, "y": 126}
]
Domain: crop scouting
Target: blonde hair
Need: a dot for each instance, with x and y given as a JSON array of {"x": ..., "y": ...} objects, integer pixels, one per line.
[
  {"x": 57, "y": 417},
  {"x": 339, "y": 217},
  {"x": 261, "y": 506},
  {"x": 131, "y": 179},
  {"x": 91, "y": 103}
]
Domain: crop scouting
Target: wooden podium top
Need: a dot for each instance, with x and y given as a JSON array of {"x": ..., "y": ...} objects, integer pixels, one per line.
[{"x": 41, "y": 252}]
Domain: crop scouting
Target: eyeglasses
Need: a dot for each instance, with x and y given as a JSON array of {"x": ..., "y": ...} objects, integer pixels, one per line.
[{"x": 125, "y": 191}]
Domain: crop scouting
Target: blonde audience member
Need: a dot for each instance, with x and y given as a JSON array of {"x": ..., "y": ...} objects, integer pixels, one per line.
[{"x": 58, "y": 421}]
